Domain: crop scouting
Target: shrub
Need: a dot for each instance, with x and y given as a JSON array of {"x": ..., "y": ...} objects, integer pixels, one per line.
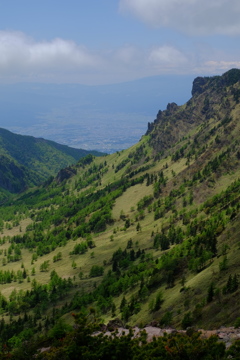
[{"x": 96, "y": 270}]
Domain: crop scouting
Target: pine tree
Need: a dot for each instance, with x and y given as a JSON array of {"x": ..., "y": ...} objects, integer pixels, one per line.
[
  {"x": 210, "y": 293},
  {"x": 123, "y": 303},
  {"x": 158, "y": 301},
  {"x": 235, "y": 283}
]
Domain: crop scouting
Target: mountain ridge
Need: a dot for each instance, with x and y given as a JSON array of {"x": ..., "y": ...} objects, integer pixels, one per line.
[
  {"x": 147, "y": 234},
  {"x": 28, "y": 161}
]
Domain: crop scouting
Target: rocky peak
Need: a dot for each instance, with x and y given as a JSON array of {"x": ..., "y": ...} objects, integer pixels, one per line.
[
  {"x": 227, "y": 79},
  {"x": 65, "y": 174},
  {"x": 171, "y": 108},
  {"x": 199, "y": 85}
]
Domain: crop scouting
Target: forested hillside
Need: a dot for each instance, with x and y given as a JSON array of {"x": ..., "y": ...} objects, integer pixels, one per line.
[
  {"x": 27, "y": 161},
  {"x": 147, "y": 234}
]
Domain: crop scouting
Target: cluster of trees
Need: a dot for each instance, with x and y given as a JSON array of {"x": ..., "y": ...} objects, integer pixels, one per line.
[
  {"x": 80, "y": 248},
  {"x": 180, "y": 153},
  {"x": 91, "y": 175},
  {"x": 175, "y": 235},
  {"x": 139, "y": 153},
  {"x": 39, "y": 297},
  {"x": 14, "y": 253},
  {"x": 121, "y": 259},
  {"x": 8, "y": 276},
  {"x": 231, "y": 285},
  {"x": 96, "y": 270}
]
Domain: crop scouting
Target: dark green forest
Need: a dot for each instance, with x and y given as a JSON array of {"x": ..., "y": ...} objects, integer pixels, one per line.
[{"x": 27, "y": 161}]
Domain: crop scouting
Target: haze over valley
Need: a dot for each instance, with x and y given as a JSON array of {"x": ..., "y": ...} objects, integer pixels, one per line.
[{"x": 106, "y": 118}]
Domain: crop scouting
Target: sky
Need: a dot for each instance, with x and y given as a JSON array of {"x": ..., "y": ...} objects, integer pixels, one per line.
[{"x": 97, "y": 42}]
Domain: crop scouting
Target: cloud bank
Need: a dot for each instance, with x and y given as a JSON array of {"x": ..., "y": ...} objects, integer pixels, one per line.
[
  {"x": 17, "y": 47},
  {"x": 24, "y": 59},
  {"x": 22, "y": 56},
  {"x": 194, "y": 17}
]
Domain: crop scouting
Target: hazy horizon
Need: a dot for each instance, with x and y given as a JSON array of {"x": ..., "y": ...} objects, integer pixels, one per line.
[{"x": 104, "y": 118}]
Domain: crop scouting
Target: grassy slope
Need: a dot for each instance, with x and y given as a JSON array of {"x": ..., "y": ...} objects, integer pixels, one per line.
[{"x": 225, "y": 308}]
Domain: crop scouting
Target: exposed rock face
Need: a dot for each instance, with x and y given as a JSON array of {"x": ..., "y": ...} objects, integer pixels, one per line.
[
  {"x": 114, "y": 324},
  {"x": 198, "y": 85},
  {"x": 225, "y": 334},
  {"x": 171, "y": 108},
  {"x": 227, "y": 79},
  {"x": 211, "y": 96},
  {"x": 65, "y": 174}
]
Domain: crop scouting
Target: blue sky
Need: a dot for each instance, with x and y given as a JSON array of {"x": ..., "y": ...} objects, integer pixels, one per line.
[{"x": 109, "y": 41}]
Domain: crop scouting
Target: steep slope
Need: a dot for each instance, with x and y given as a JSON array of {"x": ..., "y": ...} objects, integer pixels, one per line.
[
  {"x": 150, "y": 233},
  {"x": 27, "y": 161},
  {"x": 213, "y": 99}
]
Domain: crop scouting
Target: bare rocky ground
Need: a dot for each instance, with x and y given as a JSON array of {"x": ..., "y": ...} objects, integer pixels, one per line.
[{"x": 226, "y": 334}]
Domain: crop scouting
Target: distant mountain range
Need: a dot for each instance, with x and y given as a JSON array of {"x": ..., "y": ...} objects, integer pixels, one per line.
[{"x": 26, "y": 161}]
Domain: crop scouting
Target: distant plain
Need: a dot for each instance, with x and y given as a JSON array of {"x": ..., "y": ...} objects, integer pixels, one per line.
[{"x": 106, "y": 118}]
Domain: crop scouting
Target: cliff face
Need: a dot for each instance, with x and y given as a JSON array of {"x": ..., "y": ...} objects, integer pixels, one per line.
[
  {"x": 65, "y": 174},
  {"x": 200, "y": 84},
  {"x": 212, "y": 98}
]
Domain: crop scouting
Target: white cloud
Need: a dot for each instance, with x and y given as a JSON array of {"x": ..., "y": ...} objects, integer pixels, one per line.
[
  {"x": 222, "y": 65},
  {"x": 201, "y": 17},
  {"x": 59, "y": 60},
  {"x": 127, "y": 54},
  {"x": 59, "y": 52},
  {"x": 167, "y": 56},
  {"x": 20, "y": 54}
]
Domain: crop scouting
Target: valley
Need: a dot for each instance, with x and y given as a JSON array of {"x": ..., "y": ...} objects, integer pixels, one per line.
[
  {"x": 27, "y": 161},
  {"x": 107, "y": 118},
  {"x": 146, "y": 234}
]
